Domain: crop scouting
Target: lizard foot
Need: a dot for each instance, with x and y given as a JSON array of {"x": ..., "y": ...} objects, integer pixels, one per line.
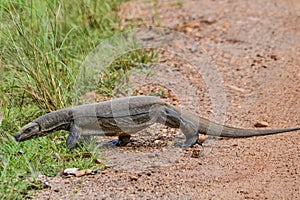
[
  {"x": 107, "y": 144},
  {"x": 117, "y": 143},
  {"x": 111, "y": 144},
  {"x": 185, "y": 146}
]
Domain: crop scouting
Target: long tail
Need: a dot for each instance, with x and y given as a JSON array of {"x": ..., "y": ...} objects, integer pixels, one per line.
[{"x": 215, "y": 129}]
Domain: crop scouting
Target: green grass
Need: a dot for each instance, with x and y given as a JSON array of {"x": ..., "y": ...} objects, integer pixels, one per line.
[
  {"x": 42, "y": 45},
  {"x": 113, "y": 77},
  {"x": 177, "y": 3}
]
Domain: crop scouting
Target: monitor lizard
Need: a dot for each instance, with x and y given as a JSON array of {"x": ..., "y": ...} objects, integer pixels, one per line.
[{"x": 125, "y": 116}]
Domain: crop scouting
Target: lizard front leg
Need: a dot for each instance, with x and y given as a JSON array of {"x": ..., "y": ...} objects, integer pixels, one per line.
[
  {"x": 73, "y": 137},
  {"x": 173, "y": 119}
]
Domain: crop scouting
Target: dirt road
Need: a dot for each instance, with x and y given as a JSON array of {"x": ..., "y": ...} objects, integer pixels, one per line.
[{"x": 255, "y": 46}]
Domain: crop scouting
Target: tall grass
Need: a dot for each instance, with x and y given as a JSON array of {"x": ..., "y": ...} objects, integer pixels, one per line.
[{"x": 42, "y": 44}]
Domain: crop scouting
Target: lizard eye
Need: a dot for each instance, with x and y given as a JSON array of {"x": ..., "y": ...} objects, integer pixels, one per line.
[
  {"x": 31, "y": 128},
  {"x": 28, "y": 130}
]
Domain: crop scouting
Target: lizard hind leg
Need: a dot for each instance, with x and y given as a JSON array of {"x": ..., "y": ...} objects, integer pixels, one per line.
[
  {"x": 191, "y": 134},
  {"x": 173, "y": 119}
]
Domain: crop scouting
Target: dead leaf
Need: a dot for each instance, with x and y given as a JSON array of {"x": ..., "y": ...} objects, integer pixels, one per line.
[
  {"x": 98, "y": 161},
  {"x": 69, "y": 171}
]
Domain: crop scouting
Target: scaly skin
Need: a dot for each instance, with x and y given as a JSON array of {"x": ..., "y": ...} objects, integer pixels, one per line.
[{"x": 124, "y": 116}]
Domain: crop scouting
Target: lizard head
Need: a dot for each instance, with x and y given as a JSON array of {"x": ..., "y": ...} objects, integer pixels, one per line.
[{"x": 31, "y": 130}]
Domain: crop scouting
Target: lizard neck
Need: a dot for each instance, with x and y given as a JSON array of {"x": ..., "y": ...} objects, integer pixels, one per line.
[{"x": 57, "y": 120}]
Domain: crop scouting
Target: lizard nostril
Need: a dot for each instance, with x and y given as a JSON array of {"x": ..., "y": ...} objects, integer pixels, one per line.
[{"x": 17, "y": 136}]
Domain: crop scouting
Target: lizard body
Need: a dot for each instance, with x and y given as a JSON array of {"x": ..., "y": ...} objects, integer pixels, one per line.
[{"x": 124, "y": 116}]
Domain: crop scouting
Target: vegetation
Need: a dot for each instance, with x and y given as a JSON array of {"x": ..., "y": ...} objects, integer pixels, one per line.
[{"x": 42, "y": 45}]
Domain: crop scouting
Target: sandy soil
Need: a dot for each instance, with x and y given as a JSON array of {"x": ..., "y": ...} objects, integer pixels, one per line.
[{"x": 255, "y": 48}]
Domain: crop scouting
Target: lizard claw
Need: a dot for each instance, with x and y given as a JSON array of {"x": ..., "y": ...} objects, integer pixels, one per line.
[
  {"x": 112, "y": 143},
  {"x": 181, "y": 145},
  {"x": 108, "y": 144},
  {"x": 184, "y": 146},
  {"x": 115, "y": 142},
  {"x": 199, "y": 142}
]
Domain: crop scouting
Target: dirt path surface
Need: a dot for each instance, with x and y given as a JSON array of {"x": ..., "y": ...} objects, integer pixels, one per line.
[{"x": 255, "y": 46}]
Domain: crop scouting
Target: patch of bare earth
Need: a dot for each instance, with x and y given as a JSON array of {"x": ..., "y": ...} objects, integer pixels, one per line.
[{"x": 256, "y": 48}]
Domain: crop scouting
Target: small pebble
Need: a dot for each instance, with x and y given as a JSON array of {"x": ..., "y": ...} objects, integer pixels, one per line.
[
  {"x": 98, "y": 161},
  {"x": 202, "y": 138},
  {"x": 133, "y": 178},
  {"x": 196, "y": 153},
  {"x": 56, "y": 190},
  {"x": 261, "y": 124}
]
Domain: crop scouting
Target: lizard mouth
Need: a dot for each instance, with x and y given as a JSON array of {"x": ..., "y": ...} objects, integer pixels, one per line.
[{"x": 19, "y": 137}]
